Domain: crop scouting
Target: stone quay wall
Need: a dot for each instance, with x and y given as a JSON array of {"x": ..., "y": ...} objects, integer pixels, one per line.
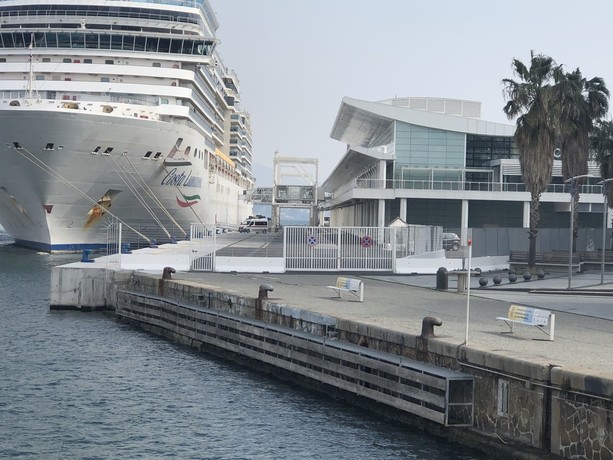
[{"x": 523, "y": 407}]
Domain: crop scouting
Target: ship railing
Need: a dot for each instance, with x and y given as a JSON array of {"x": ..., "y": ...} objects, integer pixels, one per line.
[{"x": 74, "y": 13}]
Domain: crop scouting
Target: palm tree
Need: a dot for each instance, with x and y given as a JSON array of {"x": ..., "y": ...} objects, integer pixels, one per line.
[
  {"x": 531, "y": 100},
  {"x": 602, "y": 144},
  {"x": 579, "y": 104}
]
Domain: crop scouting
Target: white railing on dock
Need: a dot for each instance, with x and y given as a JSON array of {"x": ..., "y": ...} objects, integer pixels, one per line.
[{"x": 202, "y": 247}]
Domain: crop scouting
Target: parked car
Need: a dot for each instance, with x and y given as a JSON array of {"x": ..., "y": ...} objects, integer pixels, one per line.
[{"x": 451, "y": 241}]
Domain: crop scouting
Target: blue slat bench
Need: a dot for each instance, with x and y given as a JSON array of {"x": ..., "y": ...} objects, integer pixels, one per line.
[
  {"x": 351, "y": 285},
  {"x": 529, "y": 316}
]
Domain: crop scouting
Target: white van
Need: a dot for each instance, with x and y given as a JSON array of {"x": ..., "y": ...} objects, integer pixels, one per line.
[{"x": 260, "y": 224}]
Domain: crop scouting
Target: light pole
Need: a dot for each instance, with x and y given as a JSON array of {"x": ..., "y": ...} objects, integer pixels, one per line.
[
  {"x": 571, "y": 181},
  {"x": 605, "y": 186}
]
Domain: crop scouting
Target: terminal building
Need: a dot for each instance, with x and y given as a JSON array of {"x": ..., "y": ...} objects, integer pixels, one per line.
[{"x": 433, "y": 161}]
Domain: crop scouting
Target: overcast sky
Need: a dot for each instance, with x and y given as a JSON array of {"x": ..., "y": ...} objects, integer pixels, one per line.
[{"x": 297, "y": 59}]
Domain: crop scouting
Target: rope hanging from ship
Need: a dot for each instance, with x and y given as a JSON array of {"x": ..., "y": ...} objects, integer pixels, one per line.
[
  {"x": 125, "y": 177},
  {"x": 152, "y": 195}
]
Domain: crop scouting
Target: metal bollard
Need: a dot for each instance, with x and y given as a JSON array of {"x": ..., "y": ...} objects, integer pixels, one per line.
[
  {"x": 166, "y": 274},
  {"x": 262, "y": 294},
  {"x": 427, "y": 326},
  {"x": 442, "y": 279},
  {"x": 264, "y": 290}
]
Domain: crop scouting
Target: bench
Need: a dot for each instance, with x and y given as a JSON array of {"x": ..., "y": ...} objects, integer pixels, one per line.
[
  {"x": 530, "y": 317},
  {"x": 547, "y": 258},
  {"x": 351, "y": 285}
]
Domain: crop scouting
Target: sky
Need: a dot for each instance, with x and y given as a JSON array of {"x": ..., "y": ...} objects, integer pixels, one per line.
[{"x": 297, "y": 59}]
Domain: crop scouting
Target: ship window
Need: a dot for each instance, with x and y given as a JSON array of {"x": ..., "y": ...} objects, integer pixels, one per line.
[
  {"x": 157, "y": 155},
  {"x": 156, "y": 64},
  {"x": 49, "y": 146},
  {"x": 139, "y": 43},
  {"x": 195, "y": 153},
  {"x": 116, "y": 42},
  {"x": 152, "y": 44},
  {"x": 96, "y": 150},
  {"x": 163, "y": 101},
  {"x": 164, "y": 45},
  {"x": 2, "y": 59},
  {"x": 67, "y": 60},
  {"x": 46, "y": 59},
  {"x": 105, "y": 79},
  {"x": 40, "y": 77},
  {"x": 87, "y": 61},
  {"x": 128, "y": 43},
  {"x": 91, "y": 41},
  {"x": 107, "y": 151},
  {"x": 109, "y": 61},
  {"x": 17, "y": 145},
  {"x": 148, "y": 154}
]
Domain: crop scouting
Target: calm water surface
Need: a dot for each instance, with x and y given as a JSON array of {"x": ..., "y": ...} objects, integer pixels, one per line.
[{"x": 81, "y": 386}]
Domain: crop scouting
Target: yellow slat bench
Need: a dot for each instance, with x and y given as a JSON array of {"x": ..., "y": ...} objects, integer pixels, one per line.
[
  {"x": 530, "y": 317},
  {"x": 351, "y": 285}
]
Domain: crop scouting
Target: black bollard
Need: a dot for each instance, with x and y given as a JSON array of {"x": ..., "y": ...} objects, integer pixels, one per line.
[
  {"x": 427, "y": 326},
  {"x": 262, "y": 294}
]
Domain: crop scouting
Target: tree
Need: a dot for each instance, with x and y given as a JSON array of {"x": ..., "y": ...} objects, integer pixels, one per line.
[
  {"x": 602, "y": 145},
  {"x": 579, "y": 103},
  {"x": 530, "y": 100}
]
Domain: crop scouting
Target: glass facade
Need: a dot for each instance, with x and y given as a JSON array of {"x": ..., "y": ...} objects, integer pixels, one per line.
[{"x": 419, "y": 149}]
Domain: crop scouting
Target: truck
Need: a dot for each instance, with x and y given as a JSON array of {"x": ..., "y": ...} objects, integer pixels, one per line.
[{"x": 255, "y": 224}]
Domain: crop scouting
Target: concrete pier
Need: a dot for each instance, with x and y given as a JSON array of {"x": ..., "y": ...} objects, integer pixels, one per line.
[{"x": 538, "y": 397}]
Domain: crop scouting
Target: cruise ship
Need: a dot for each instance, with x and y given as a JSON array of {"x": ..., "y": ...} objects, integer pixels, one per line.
[{"x": 117, "y": 112}]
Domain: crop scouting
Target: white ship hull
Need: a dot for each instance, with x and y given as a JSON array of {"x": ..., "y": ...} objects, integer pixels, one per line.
[{"x": 47, "y": 196}]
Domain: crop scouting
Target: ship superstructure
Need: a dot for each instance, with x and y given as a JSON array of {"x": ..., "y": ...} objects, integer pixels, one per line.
[{"x": 117, "y": 110}]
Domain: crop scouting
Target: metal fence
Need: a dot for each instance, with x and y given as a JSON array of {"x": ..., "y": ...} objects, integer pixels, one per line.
[
  {"x": 339, "y": 248},
  {"x": 202, "y": 247},
  {"x": 113, "y": 242}
]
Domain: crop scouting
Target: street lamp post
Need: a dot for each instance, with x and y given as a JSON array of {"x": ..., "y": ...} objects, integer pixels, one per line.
[
  {"x": 571, "y": 181},
  {"x": 605, "y": 186}
]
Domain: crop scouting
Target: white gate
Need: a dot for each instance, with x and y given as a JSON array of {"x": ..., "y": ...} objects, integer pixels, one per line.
[
  {"x": 202, "y": 247},
  {"x": 339, "y": 248},
  {"x": 113, "y": 242}
]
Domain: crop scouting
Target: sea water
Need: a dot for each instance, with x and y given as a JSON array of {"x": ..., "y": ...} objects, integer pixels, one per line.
[{"x": 82, "y": 386}]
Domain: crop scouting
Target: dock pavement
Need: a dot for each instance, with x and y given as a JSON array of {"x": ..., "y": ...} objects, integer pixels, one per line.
[{"x": 584, "y": 312}]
